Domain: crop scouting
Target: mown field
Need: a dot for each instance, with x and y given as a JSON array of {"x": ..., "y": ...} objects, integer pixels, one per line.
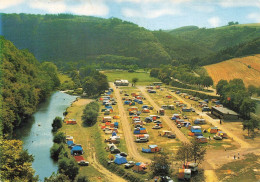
[
  {"x": 246, "y": 68},
  {"x": 143, "y": 77}
]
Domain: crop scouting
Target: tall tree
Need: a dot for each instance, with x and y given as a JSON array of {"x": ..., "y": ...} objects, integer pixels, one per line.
[{"x": 161, "y": 165}]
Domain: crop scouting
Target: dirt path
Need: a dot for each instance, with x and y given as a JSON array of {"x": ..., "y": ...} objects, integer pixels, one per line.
[
  {"x": 128, "y": 134},
  {"x": 92, "y": 159},
  {"x": 166, "y": 119},
  {"x": 215, "y": 122}
]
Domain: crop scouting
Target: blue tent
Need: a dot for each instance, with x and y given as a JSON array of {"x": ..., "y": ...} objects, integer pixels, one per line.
[
  {"x": 120, "y": 159},
  {"x": 146, "y": 150},
  {"x": 116, "y": 124},
  {"x": 108, "y": 107},
  {"x": 140, "y": 102},
  {"x": 69, "y": 142},
  {"x": 76, "y": 149},
  {"x": 127, "y": 102},
  {"x": 196, "y": 130},
  {"x": 139, "y": 131},
  {"x": 114, "y": 133},
  {"x": 173, "y": 118},
  {"x": 136, "y": 100}
]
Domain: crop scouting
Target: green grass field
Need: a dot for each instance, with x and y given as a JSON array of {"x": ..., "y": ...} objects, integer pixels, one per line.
[{"x": 143, "y": 78}]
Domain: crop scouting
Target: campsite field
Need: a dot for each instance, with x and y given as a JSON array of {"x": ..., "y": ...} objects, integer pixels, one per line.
[
  {"x": 246, "y": 68},
  {"x": 143, "y": 77}
]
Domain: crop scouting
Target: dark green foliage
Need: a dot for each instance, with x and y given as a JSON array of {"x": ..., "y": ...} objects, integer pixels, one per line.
[
  {"x": 57, "y": 178},
  {"x": 252, "y": 89},
  {"x": 90, "y": 114},
  {"x": 251, "y": 125},
  {"x": 161, "y": 165},
  {"x": 154, "y": 72},
  {"x": 134, "y": 80},
  {"x": 59, "y": 137},
  {"x": 68, "y": 167},
  {"x": 57, "y": 123},
  {"x": 234, "y": 95},
  {"x": 26, "y": 82},
  {"x": 56, "y": 150},
  {"x": 74, "y": 38},
  {"x": 82, "y": 179}
]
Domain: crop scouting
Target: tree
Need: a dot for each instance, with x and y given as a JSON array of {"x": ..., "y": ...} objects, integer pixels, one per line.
[
  {"x": 184, "y": 153},
  {"x": 69, "y": 167},
  {"x": 154, "y": 72},
  {"x": 248, "y": 105},
  {"x": 207, "y": 81},
  {"x": 134, "y": 80},
  {"x": 59, "y": 138},
  {"x": 191, "y": 152},
  {"x": 56, "y": 150},
  {"x": 251, "y": 125},
  {"x": 90, "y": 117},
  {"x": 57, "y": 177},
  {"x": 57, "y": 123},
  {"x": 220, "y": 86},
  {"x": 16, "y": 163},
  {"x": 252, "y": 89},
  {"x": 197, "y": 152},
  {"x": 161, "y": 165}
]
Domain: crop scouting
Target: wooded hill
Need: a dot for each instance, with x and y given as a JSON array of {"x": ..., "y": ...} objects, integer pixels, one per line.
[
  {"x": 71, "y": 38},
  {"x": 25, "y": 82}
]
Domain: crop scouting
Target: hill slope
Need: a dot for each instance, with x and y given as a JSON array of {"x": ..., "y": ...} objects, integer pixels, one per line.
[
  {"x": 25, "y": 83},
  {"x": 219, "y": 38},
  {"x": 246, "y": 68}
]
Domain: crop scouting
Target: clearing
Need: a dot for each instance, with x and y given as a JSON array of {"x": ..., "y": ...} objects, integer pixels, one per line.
[{"x": 246, "y": 68}]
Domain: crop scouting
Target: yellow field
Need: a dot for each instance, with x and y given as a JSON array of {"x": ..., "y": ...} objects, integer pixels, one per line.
[{"x": 237, "y": 68}]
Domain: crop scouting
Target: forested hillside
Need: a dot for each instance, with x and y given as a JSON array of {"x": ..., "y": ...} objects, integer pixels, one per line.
[
  {"x": 73, "y": 38},
  {"x": 25, "y": 82},
  {"x": 219, "y": 38}
]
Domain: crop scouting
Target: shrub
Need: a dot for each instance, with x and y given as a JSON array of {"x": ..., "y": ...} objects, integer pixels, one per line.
[
  {"x": 69, "y": 167},
  {"x": 57, "y": 123},
  {"x": 59, "y": 138},
  {"x": 55, "y": 150}
]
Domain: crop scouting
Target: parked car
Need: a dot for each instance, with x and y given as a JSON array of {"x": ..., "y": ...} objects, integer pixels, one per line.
[
  {"x": 178, "y": 125},
  {"x": 166, "y": 179},
  {"x": 83, "y": 163},
  {"x": 158, "y": 122},
  {"x": 123, "y": 154},
  {"x": 141, "y": 140},
  {"x": 216, "y": 137},
  {"x": 156, "y": 127},
  {"x": 129, "y": 164}
]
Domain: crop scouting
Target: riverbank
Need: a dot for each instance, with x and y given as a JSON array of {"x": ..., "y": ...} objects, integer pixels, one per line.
[
  {"x": 36, "y": 133},
  {"x": 87, "y": 138}
]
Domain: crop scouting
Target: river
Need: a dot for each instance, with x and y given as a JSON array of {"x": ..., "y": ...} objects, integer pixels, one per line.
[{"x": 37, "y": 136}]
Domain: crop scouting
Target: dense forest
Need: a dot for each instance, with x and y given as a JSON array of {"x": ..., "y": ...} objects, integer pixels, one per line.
[
  {"x": 25, "y": 83},
  {"x": 113, "y": 43}
]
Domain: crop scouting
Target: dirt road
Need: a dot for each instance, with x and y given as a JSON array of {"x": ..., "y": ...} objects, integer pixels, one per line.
[
  {"x": 128, "y": 134},
  {"x": 166, "y": 119},
  {"x": 215, "y": 122},
  {"x": 76, "y": 112}
]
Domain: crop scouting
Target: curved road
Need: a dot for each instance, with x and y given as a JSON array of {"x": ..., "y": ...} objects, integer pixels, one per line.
[{"x": 128, "y": 134}]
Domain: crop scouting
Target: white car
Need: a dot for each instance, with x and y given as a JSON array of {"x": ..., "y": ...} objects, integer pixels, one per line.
[
  {"x": 157, "y": 127},
  {"x": 216, "y": 137}
]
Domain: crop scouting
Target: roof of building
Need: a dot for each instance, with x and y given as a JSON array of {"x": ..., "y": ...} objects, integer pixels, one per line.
[{"x": 225, "y": 110}]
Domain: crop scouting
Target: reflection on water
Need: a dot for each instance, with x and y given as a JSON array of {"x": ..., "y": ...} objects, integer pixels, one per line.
[{"x": 36, "y": 133}]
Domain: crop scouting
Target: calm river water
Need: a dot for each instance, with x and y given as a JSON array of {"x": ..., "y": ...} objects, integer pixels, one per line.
[{"x": 37, "y": 135}]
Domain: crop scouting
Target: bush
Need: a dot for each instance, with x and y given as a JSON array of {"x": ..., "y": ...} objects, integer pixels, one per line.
[
  {"x": 57, "y": 123},
  {"x": 69, "y": 167},
  {"x": 59, "y": 138},
  {"x": 90, "y": 117},
  {"x": 55, "y": 150},
  {"x": 82, "y": 179},
  {"x": 57, "y": 178}
]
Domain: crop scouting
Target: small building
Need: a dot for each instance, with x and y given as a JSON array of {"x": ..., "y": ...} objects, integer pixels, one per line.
[{"x": 224, "y": 113}]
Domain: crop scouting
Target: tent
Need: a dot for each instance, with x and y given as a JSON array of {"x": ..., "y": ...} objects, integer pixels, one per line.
[
  {"x": 71, "y": 121},
  {"x": 140, "y": 102},
  {"x": 148, "y": 119},
  {"x": 113, "y": 133},
  {"x": 127, "y": 102},
  {"x": 145, "y": 110},
  {"x": 120, "y": 159},
  {"x": 116, "y": 117},
  {"x": 151, "y": 149},
  {"x": 116, "y": 124},
  {"x": 222, "y": 134},
  {"x": 79, "y": 158},
  {"x": 69, "y": 142},
  {"x": 139, "y": 166},
  {"x": 140, "y": 131},
  {"x": 201, "y": 139},
  {"x": 199, "y": 121},
  {"x": 76, "y": 150},
  {"x": 213, "y": 130}
]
